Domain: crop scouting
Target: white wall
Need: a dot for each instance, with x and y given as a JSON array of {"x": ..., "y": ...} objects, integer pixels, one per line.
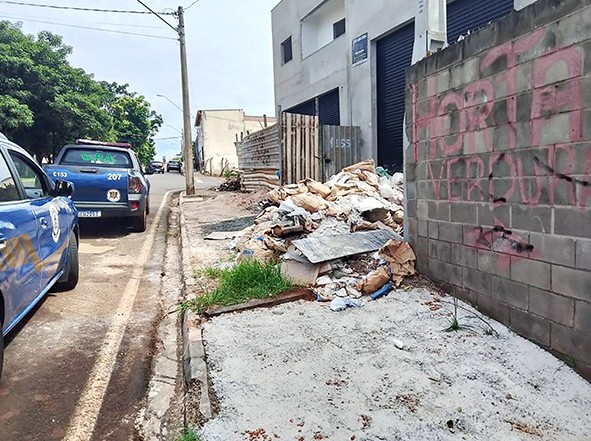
[
  {"x": 219, "y": 129},
  {"x": 317, "y": 28}
]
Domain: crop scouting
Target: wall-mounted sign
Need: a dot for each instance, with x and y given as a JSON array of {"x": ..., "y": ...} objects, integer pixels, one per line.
[{"x": 360, "y": 45}]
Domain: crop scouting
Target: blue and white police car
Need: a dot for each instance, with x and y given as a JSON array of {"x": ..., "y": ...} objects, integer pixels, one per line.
[{"x": 38, "y": 236}]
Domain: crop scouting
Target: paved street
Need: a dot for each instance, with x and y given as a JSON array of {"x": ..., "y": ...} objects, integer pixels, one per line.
[{"x": 73, "y": 336}]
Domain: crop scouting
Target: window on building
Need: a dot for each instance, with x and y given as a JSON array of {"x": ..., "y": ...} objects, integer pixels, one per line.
[
  {"x": 286, "y": 51},
  {"x": 338, "y": 28}
]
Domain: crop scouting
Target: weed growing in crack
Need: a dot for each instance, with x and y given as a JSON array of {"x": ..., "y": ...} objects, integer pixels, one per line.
[
  {"x": 455, "y": 324},
  {"x": 189, "y": 434}
]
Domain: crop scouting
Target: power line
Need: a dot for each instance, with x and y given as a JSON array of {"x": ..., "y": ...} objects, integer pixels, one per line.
[
  {"x": 79, "y": 9},
  {"x": 195, "y": 2},
  {"x": 86, "y": 23},
  {"x": 157, "y": 15},
  {"x": 89, "y": 28}
]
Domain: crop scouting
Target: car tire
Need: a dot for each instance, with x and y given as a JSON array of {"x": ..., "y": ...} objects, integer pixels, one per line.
[
  {"x": 139, "y": 223},
  {"x": 73, "y": 268}
]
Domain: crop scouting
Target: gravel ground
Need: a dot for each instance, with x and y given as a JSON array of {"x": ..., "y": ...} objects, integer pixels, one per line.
[{"x": 302, "y": 372}]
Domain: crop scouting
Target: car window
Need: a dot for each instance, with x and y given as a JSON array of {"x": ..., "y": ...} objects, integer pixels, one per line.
[
  {"x": 93, "y": 156},
  {"x": 32, "y": 179},
  {"x": 8, "y": 190}
]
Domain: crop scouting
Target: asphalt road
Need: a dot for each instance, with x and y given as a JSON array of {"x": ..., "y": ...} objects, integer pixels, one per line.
[{"x": 79, "y": 365}]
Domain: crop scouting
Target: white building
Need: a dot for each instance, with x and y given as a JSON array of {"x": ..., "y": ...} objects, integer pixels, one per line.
[
  {"x": 217, "y": 132},
  {"x": 346, "y": 60}
]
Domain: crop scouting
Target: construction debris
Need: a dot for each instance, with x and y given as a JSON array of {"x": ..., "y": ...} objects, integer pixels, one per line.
[
  {"x": 230, "y": 184},
  {"x": 327, "y": 234}
]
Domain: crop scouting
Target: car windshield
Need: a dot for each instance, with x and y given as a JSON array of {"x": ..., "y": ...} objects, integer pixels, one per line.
[
  {"x": 155, "y": 163},
  {"x": 97, "y": 156}
]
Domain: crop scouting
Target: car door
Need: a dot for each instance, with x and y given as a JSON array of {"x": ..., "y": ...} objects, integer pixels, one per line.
[
  {"x": 20, "y": 264},
  {"x": 50, "y": 215}
]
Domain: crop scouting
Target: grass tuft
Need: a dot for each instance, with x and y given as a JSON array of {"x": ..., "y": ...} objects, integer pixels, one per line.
[
  {"x": 189, "y": 435},
  {"x": 248, "y": 280}
]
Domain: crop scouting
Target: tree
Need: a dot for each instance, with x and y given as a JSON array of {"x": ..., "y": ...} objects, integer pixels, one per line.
[
  {"x": 46, "y": 103},
  {"x": 133, "y": 120}
]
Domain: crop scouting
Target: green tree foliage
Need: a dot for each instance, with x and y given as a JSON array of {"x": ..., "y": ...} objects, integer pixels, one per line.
[{"x": 46, "y": 103}]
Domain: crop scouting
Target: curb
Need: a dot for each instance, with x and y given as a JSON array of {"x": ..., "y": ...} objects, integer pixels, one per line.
[{"x": 194, "y": 365}]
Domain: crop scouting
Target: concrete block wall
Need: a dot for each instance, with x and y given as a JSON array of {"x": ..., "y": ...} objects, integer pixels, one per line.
[{"x": 499, "y": 173}]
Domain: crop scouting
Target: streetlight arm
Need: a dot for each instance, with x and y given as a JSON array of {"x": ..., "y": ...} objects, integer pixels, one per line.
[{"x": 170, "y": 101}]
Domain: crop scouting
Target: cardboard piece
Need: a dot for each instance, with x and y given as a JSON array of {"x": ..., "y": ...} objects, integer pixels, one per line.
[{"x": 301, "y": 274}]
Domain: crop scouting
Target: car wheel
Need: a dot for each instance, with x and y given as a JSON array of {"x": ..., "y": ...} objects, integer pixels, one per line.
[
  {"x": 73, "y": 268},
  {"x": 139, "y": 222}
]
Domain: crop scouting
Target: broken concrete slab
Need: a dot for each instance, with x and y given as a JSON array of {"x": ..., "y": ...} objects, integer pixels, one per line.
[
  {"x": 325, "y": 248},
  {"x": 300, "y": 273}
]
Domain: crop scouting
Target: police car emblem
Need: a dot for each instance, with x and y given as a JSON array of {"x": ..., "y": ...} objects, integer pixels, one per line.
[
  {"x": 55, "y": 223},
  {"x": 113, "y": 195}
]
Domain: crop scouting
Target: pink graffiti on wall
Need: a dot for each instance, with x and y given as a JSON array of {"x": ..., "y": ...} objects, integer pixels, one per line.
[{"x": 461, "y": 123}]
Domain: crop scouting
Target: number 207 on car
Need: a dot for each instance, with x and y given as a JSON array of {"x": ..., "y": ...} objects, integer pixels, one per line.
[{"x": 114, "y": 177}]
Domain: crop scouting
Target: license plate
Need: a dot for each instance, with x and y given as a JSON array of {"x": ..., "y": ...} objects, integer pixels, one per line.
[{"x": 89, "y": 214}]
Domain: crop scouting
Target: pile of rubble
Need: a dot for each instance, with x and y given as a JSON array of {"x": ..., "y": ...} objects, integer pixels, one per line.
[{"x": 327, "y": 234}]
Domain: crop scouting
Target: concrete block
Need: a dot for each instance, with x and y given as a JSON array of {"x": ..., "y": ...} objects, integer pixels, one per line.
[
  {"x": 423, "y": 229},
  {"x": 548, "y": 11},
  {"x": 479, "y": 41},
  {"x": 421, "y": 172},
  {"x": 443, "y": 81},
  {"x": 587, "y": 58},
  {"x": 496, "y": 310},
  {"x": 464, "y": 256},
  {"x": 445, "y": 272},
  {"x": 570, "y": 342},
  {"x": 438, "y": 210},
  {"x": 531, "y": 272},
  {"x": 524, "y": 106},
  {"x": 503, "y": 190},
  {"x": 411, "y": 189},
  {"x": 571, "y": 282},
  {"x": 574, "y": 29},
  {"x": 411, "y": 209},
  {"x": 527, "y": 161},
  {"x": 501, "y": 137},
  {"x": 412, "y": 226},
  {"x": 451, "y": 55},
  {"x": 450, "y": 232},
  {"x": 530, "y": 326},
  {"x": 422, "y": 209},
  {"x": 513, "y": 26},
  {"x": 554, "y": 307},
  {"x": 512, "y": 293},
  {"x": 572, "y": 222},
  {"x": 499, "y": 113},
  {"x": 421, "y": 248},
  {"x": 553, "y": 130},
  {"x": 546, "y": 45},
  {"x": 494, "y": 263},
  {"x": 465, "y": 295},
  {"x": 423, "y": 89},
  {"x": 523, "y": 130},
  {"x": 553, "y": 249},
  {"x": 583, "y": 317},
  {"x": 440, "y": 250},
  {"x": 491, "y": 215},
  {"x": 464, "y": 212},
  {"x": 497, "y": 66},
  {"x": 586, "y": 125},
  {"x": 433, "y": 228},
  {"x": 535, "y": 219},
  {"x": 477, "y": 281},
  {"x": 583, "y": 254},
  {"x": 524, "y": 77}
]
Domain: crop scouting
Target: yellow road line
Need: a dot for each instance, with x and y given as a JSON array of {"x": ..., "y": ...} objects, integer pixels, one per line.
[{"x": 87, "y": 411}]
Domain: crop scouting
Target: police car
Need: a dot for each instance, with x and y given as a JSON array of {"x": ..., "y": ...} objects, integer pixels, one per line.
[{"x": 38, "y": 236}]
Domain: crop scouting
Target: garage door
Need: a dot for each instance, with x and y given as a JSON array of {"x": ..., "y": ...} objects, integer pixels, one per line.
[
  {"x": 394, "y": 55},
  {"x": 464, "y": 15},
  {"x": 328, "y": 108}
]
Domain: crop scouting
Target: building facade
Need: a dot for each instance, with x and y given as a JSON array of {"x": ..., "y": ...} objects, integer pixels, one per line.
[
  {"x": 217, "y": 133},
  {"x": 346, "y": 60}
]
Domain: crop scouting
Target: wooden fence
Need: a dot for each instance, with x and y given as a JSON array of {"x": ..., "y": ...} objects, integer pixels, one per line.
[{"x": 297, "y": 148}]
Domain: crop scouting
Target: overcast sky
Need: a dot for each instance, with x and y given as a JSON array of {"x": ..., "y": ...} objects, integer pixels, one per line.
[{"x": 228, "y": 43}]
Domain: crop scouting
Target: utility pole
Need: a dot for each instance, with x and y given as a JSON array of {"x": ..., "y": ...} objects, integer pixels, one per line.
[{"x": 188, "y": 145}]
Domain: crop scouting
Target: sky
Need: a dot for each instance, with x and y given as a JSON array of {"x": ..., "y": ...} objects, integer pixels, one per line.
[{"x": 229, "y": 52}]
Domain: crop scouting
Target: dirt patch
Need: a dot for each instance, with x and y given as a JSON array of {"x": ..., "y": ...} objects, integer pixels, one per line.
[{"x": 228, "y": 225}]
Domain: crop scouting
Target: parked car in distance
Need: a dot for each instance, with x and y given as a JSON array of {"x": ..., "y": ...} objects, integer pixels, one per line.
[
  {"x": 108, "y": 179},
  {"x": 174, "y": 164},
  {"x": 155, "y": 167},
  {"x": 38, "y": 236}
]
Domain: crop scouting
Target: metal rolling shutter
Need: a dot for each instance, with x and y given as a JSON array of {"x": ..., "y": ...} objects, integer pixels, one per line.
[
  {"x": 464, "y": 15},
  {"x": 307, "y": 108},
  {"x": 394, "y": 55},
  {"x": 329, "y": 113}
]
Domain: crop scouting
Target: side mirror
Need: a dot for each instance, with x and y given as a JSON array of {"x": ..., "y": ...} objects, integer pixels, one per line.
[{"x": 62, "y": 188}]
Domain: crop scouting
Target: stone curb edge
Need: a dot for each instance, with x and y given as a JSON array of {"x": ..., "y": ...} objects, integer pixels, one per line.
[{"x": 194, "y": 365}]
